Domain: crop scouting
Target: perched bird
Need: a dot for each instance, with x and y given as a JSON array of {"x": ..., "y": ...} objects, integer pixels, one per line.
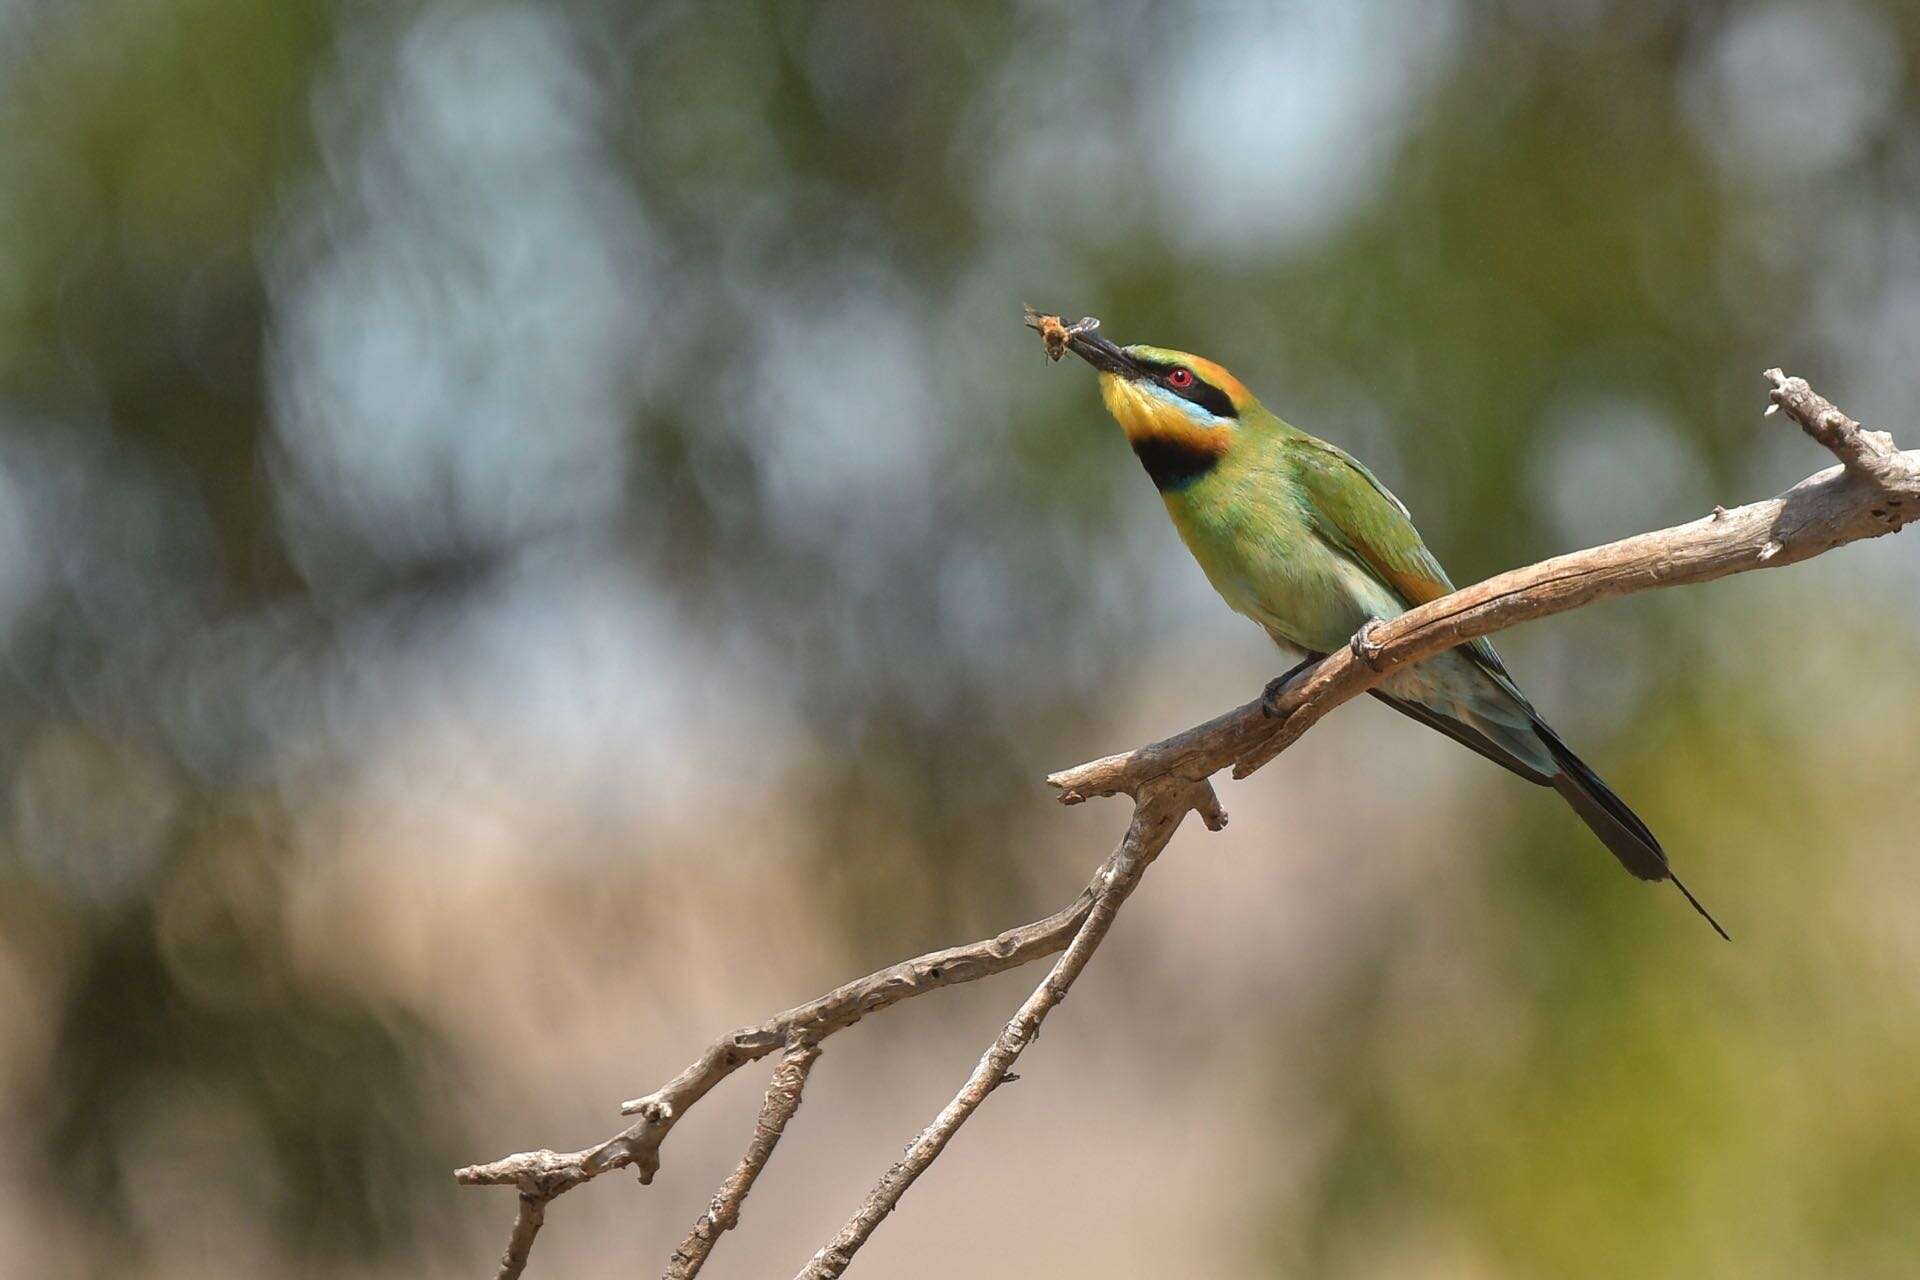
[{"x": 1304, "y": 540}]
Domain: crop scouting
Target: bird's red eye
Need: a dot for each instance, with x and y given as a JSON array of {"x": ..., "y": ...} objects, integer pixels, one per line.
[{"x": 1180, "y": 379}]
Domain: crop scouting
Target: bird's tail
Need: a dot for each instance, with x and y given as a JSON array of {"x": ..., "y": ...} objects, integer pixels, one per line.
[{"x": 1618, "y": 827}]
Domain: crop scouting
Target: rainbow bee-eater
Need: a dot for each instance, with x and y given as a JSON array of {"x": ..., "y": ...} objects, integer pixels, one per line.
[{"x": 1304, "y": 540}]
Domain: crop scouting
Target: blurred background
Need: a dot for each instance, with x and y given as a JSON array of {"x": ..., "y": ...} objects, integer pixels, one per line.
[{"x": 532, "y": 534}]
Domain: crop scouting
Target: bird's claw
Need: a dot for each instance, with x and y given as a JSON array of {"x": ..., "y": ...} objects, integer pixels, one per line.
[
  {"x": 1270, "y": 698},
  {"x": 1364, "y": 646}
]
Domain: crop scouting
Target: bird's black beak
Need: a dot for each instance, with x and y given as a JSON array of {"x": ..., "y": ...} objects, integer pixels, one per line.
[{"x": 1103, "y": 355}]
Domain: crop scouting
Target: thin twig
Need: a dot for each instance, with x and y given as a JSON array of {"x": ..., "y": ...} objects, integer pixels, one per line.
[
  {"x": 526, "y": 1225},
  {"x": 1857, "y": 448},
  {"x": 1155, "y": 818},
  {"x": 783, "y": 1099},
  {"x": 550, "y": 1173}
]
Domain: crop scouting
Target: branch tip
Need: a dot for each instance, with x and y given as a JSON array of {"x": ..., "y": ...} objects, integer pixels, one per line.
[
  {"x": 1206, "y": 803},
  {"x": 1867, "y": 453}
]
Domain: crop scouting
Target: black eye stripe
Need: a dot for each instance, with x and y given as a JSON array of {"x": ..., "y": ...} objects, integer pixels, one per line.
[{"x": 1203, "y": 393}]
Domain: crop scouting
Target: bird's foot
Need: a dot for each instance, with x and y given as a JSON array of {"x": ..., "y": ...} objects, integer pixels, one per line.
[
  {"x": 1364, "y": 646},
  {"x": 1270, "y": 699}
]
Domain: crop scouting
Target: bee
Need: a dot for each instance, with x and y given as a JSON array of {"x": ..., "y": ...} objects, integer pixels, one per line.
[{"x": 1056, "y": 333}]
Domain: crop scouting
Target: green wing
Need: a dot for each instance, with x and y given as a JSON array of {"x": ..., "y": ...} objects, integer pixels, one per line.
[
  {"x": 1354, "y": 512},
  {"x": 1358, "y": 516}
]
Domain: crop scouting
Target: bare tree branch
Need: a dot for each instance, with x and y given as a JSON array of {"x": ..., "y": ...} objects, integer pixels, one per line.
[
  {"x": 1875, "y": 490},
  {"x": 1154, "y": 820},
  {"x": 783, "y": 1099},
  {"x": 550, "y": 1173},
  {"x": 526, "y": 1225}
]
